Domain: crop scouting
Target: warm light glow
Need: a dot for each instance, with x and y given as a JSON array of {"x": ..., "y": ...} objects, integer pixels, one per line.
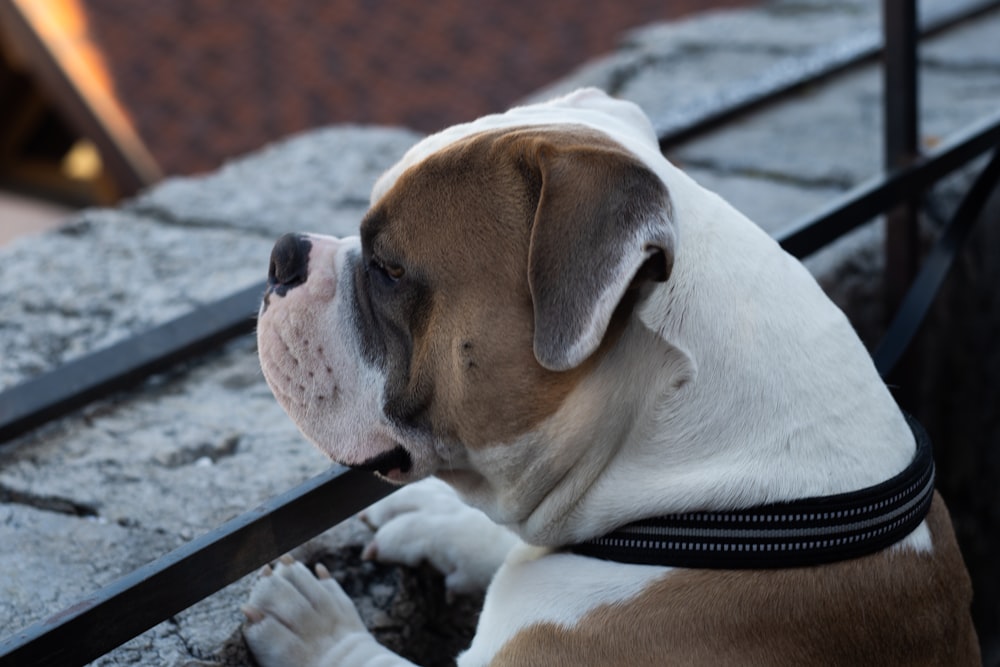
[
  {"x": 82, "y": 162},
  {"x": 63, "y": 27}
]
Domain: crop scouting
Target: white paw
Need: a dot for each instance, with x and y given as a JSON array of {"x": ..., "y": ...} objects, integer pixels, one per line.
[
  {"x": 296, "y": 618},
  {"x": 426, "y": 521}
]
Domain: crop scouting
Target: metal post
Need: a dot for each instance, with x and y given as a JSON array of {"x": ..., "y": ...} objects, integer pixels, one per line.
[{"x": 900, "y": 103}]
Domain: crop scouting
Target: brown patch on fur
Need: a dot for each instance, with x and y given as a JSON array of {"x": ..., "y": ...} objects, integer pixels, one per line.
[
  {"x": 891, "y": 608},
  {"x": 460, "y": 224}
]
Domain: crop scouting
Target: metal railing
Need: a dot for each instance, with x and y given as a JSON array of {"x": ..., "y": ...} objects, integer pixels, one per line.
[{"x": 157, "y": 591}]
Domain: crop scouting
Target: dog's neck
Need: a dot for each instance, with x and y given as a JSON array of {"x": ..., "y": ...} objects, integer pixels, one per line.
[{"x": 743, "y": 402}]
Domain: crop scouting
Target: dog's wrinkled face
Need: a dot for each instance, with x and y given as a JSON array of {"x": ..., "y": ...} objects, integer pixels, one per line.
[{"x": 488, "y": 279}]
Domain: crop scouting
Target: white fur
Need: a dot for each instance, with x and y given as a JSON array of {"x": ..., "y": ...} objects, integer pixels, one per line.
[
  {"x": 426, "y": 521},
  {"x": 306, "y": 352},
  {"x": 307, "y": 621},
  {"x": 536, "y": 586},
  {"x": 738, "y": 383}
]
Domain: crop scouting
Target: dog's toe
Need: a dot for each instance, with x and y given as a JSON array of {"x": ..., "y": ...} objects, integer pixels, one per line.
[
  {"x": 293, "y": 613},
  {"x": 426, "y": 495}
]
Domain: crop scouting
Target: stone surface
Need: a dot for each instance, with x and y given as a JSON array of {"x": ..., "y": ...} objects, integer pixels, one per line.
[
  {"x": 317, "y": 181},
  {"x": 775, "y": 30},
  {"x": 108, "y": 276},
  {"x": 93, "y": 496},
  {"x": 772, "y": 203},
  {"x": 837, "y": 129},
  {"x": 971, "y": 47},
  {"x": 62, "y": 556}
]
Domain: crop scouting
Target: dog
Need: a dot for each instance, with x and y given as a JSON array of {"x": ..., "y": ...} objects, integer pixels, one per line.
[{"x": 636, "y": 419}]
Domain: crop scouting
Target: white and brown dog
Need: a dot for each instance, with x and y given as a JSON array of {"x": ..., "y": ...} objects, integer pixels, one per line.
[{"x": 683, "y": 450}]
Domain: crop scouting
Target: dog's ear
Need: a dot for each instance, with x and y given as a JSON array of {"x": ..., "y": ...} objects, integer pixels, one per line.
[{"x": 602, "y": 226}]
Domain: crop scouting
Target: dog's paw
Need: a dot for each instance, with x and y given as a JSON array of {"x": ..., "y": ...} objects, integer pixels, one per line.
[
  {"x": 427, "y": 495},
  {"x": 426, "y": 521},
  {"x": 295, "y": 618}
]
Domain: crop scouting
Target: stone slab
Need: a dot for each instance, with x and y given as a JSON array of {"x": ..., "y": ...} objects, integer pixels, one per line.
[
  {"x": 62, "y": 557},
  {"x": 317, "y": 181},
  {"x": 108, "y": 275},
  {"x": 821, "y": 138},
  {"x": 972, "y": 46},
  {"x": 831, "y": 136},
  {"x": 772, "y": 204},
  {"x": 775, "y": 30}
]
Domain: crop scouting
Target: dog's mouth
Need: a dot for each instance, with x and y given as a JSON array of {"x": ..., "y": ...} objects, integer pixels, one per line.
[{"x": 386, "y": 463}]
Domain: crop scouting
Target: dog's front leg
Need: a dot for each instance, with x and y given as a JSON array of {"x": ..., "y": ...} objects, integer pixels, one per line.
[
  {"x": 426, "y": 521},
  {"x": 296, "y": 619}
]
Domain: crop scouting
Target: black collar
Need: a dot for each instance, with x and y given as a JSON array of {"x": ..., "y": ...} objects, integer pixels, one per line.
[{"x": 798, "y": 533}]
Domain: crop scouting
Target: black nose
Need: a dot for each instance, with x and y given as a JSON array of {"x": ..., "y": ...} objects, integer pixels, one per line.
[{"x": 289, "y": 263}]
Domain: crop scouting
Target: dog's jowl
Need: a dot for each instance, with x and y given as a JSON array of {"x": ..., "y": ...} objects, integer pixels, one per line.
[{"x": 617, "y": 403}]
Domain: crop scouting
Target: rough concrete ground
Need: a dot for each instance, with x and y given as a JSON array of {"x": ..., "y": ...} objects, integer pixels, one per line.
[{"x": 93, "y": 496}]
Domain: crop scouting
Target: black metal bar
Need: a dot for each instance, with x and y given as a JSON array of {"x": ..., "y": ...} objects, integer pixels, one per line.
[
  {"x": 76, "y": 383},
  {"x": 900, "y": 93},
  {"x": 901, "y": 120},
  {"x": 675, "y": 133},
  {"x": 157, "y": 591},
  {"x": 875, "y": 196},
  {"x": 918, "y": 299}
]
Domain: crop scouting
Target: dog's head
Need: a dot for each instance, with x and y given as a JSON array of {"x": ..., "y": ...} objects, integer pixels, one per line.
[{"x": 498, "y": 264}]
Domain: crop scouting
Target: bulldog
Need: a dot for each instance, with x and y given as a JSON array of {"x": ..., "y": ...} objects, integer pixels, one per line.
[{"x": 637, "y": 420}]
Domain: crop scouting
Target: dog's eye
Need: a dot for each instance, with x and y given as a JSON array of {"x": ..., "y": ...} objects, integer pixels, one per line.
[{"x": 388, "y": 272}]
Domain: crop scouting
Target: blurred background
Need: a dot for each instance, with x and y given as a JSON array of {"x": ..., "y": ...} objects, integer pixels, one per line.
[{"x": 100, "y": 98}]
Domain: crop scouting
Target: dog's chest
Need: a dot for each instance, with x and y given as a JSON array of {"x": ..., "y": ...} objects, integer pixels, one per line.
[{"x": 536, "y": 588}]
